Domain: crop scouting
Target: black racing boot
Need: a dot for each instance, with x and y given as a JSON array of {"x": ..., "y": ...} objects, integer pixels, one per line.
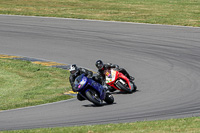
[{"x": 80, "y": 98}]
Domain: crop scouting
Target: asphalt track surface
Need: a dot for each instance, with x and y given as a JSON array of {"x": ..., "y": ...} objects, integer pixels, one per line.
[{"x": 165, "y": 60}]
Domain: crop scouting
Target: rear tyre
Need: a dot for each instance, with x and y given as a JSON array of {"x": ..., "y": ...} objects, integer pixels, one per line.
[
  {"x": 134, "y": 87},
  {"x": 93, "y": 97},
  {"x": 109, "y": 98},
  {"x": 123, "y": 87}
]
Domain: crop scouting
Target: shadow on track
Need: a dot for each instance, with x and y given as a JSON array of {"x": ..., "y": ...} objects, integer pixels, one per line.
[
  {"x": 126, "y": 93},
  {"x": 104, "y": 104}
]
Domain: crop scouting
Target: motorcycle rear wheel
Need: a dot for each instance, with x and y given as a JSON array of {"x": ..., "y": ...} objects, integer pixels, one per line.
[
  {"x": 134, "y": 87},
  {"x": 94, "y": 97}
]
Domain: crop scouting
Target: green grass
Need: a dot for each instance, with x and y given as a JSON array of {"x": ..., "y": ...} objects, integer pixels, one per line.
[
  {"x": 185, "y": 125},
  {"x": 171, "y": 12},
  {"x": 25, "y": 84}
]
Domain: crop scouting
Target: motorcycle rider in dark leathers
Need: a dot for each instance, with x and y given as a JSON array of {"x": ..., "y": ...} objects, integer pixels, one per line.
[
  {"x": 102, "y": 67},
  {"x": 75, "y": 72}
]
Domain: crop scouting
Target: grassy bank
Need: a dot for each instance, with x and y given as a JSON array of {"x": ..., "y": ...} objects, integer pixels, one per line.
[
  {"x": 171, "y": 12},
  {"x": 25, "y": 84},
  {"x": 186, "y": 125}
]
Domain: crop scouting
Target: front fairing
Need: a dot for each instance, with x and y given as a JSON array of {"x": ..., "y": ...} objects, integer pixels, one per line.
[
  {"x": 83, "y": 84},
  {"x": 80, "y": 82},
  {"x": 110, "y": 75},
  {"x": 125, "y": 79},
  {"x": 98, "y": 87}
]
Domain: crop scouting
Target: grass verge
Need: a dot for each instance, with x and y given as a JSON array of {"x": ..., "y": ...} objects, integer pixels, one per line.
[
  {"x": 25, "y": 84},
  {"x": 184, "y": 125},
  {"x": 171, "y": 12}
]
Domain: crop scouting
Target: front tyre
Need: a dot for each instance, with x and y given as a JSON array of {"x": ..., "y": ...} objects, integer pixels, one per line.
[
  {"x": 109, "y": 99},
  {"x": 94, "y": 97},
  {"x": 123, "y": 87}
]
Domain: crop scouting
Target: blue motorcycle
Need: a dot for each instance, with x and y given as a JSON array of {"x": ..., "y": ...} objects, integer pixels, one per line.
[{"x": 92, "y": 90}]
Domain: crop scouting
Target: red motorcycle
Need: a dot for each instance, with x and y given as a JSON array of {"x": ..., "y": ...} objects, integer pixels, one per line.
[{"x": 119, "y": 81}]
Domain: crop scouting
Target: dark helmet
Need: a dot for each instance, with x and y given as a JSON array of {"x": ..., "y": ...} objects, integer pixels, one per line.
[
  {"x": 73, "y": 69},
  {"x": 99, "y": 64}
]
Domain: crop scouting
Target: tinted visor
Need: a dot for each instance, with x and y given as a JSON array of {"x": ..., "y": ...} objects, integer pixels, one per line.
[{"x": 100, "y": 66}]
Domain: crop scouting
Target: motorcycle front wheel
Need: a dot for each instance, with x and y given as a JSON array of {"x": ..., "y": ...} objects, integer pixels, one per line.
[
  {"x": 94, "y": 97},
  {"x": 123, "y": 87}
]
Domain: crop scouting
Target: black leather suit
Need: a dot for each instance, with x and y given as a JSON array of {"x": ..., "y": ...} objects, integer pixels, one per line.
[{"x": 110, "y": 65}]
